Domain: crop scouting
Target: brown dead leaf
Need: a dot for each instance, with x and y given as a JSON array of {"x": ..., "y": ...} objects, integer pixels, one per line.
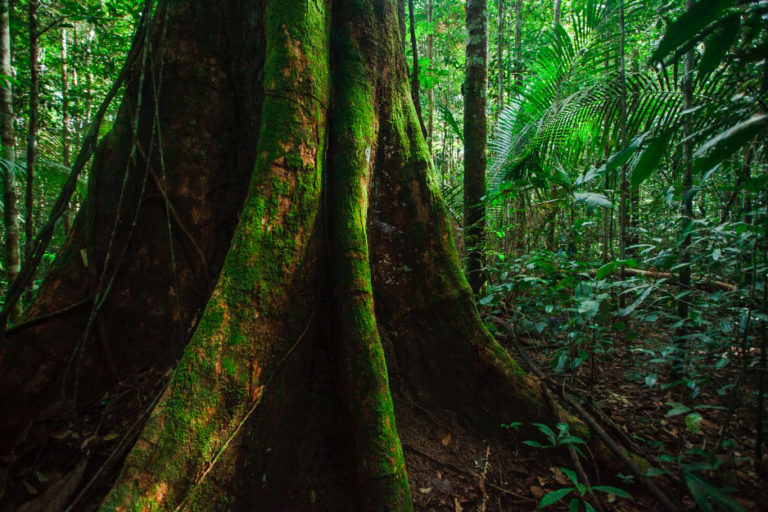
[
  {"x": 90, "y": 440},
  {"x": 442, "y": 486},
  {"x": 30, "y": 489},
  {"x": 58, "y": 494},
  {"x": 457, "y": 506},
  {"x": 537, "y": 492},
  {"x": 445, "y": 440},
  {"x": 560, "y": 478},
  {"x": 62, "y": 435}
]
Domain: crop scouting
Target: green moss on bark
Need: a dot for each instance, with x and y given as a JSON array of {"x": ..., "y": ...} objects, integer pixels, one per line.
[
  {"x": 234, "y": 350},
  {"x": 379, "y": 461}
]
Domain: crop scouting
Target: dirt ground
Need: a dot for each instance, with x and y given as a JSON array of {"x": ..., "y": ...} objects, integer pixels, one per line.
[{"x": 451, "y": 467}]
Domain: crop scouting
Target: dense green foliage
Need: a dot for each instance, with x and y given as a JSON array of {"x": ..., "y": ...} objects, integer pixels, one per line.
[
  {"x": 81, "y": 50},
  {"x": 571, "y": 123},
  {"x": 575, "y": 109}
]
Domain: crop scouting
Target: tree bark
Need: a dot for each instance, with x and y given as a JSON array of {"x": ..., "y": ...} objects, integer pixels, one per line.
[
  {"x": 431, "y": 90},
  {"x": 66, "y": 141},
  {"x": 66, "y": 132},
  {"x": 208, "y": 162},
  {"x": 624, "y": 203},
  {"x": 518, "y": 43},
  {"x": 475, "y": 140},
  {"x": 686, "y": 214},
  {"x": 34, "y": 93},
  {"x": 415, "y": 71},
  {"x": 500, "y": 56},
  {"x": 556, "y": 9},
  {"x": 8, "y": 140},
  {"x": 282, "y": 398},
  {"x": 91, "y": 34}
]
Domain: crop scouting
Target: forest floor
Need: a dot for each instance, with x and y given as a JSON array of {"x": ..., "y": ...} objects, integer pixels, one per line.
[
  {"x": 451, "y": 467},
  {"x": 457, "y": 472}
]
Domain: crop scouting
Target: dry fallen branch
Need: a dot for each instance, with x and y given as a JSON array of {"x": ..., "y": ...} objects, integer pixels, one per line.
[
  {"x": 593, "y": 425},
  {"x": 696, "y": 281}
]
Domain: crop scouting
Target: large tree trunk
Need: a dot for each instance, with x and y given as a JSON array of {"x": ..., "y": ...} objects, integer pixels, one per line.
[{"x": 340, "y": 296}]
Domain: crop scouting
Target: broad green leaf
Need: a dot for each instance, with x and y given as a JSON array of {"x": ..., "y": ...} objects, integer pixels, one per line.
[
  {"x": 621, "y": 493},
  {"x": 592, "y": 200},
  {"x": 683, "y": 30},
  {"x": 677, "y": 408},
  {"x": 554, "y": 496},
  {"x": 571, "y": 475},
  {"x": 606, "y": 269},
  {"x": 447, "y": 116},
  {"x": 618, "y": 159},
  {"x": 656, "y": 472},
  {"x": 629, "y": 309},
  {"x": 589, "y": 308},
  {"x": 650, "y": 158},
  {"x": 544, "y": 429},
  {"x": 693, "y": 422},
  {"x": 572, "y": 440},
  {"x": 702, "y": 489},
  {"x": 723, "y": 145},
  {"x": 689, "y": 194},
  {"x": 717, "y": 45}
]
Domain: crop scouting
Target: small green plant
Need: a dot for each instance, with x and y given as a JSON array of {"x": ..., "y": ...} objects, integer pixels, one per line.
[
  {"x": 512, "y": 425},
  {"x": 555, "y": 440},
  {"x": 580, "y": 490},
  {"x": 704, "y": 492}
]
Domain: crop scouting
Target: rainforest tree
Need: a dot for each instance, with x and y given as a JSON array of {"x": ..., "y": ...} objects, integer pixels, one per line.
[
  {"x": 475, "y": 140},
  {"x": 264, "y": 211}
]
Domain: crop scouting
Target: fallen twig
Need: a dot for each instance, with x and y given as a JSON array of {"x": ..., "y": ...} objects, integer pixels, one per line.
[
  {"x": 595, "y": 427},
  {"x": 697, "y": 281}
]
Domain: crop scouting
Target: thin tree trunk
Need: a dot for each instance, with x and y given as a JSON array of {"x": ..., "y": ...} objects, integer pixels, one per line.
[
  {"x": 518, "y": 43},
  {"x": 66, "y": 134},
  {"x": 431, "y": 90},
  {"x": 634, "y": 194},
  {"x": 8, "y": 139},
  {"x": 500, "y": 57},
  {"x": 475, "y": 128},
  {"x": 34, "y": 92},
  {"x": 556, "y": 9},
  {"x": 686, "y": 214},
  {"x": 623, "y": 179},
  {"x": 89, "y": 73},
  {"x": 745, "y": 176},
  {"x": 415, "y": 71},
  {"x": 65, "y": 118},
  {"x": 607, "y": 213}
]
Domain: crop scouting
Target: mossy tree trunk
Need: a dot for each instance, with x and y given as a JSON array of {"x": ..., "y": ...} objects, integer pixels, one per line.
[{"x": 339, "y": 283}]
